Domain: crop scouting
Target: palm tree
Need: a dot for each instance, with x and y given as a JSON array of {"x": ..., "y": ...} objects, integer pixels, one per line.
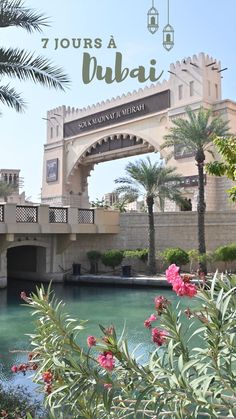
[
  {"x": 20, "y": 64},
  {"x": 195, "y": 135},
  {"x": 152, "y": 180},
  {"x": 6, "y": 189}
]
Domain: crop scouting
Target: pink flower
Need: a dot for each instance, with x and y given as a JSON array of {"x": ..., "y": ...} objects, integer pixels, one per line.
[
  {"x": 91, "y": 341},
  {"x": 172, "y": 273},
  {"x": 107, "y": 385},
  {"x": 23, "y": 296},
  {"x": 14, "y": 368},
  {"x": 184, "y": 289},
  {"x": 106, "y": 360},
  {"x": 148, "y": 322},
  {"x": 159, "y": 336},
  {"x": 190, "y": 290},
  {"x": 160, "y": 304},
  {"x": 47, "y": 377}
]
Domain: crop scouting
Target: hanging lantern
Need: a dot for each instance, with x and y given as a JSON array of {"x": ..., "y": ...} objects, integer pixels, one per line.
[
  {"x": 153, "y": 19},
  {"x": 168, "y": 31},
  {"x": 168, "y": 37}
]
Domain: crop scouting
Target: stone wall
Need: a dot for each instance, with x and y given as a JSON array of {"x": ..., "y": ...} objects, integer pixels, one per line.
[{"x": 172, "y": 230}]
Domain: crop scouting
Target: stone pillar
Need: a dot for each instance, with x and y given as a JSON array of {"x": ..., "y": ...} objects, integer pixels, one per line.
[
  {"x": 10, "y": 213},
  {"x": 43, "y": 214}
]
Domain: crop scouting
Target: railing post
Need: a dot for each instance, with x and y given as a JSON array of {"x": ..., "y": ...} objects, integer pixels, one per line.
[
  {"x": 43, "y": 214},
  {"x": 72, "y": 215},
  {"x": 10, "y": 213}
]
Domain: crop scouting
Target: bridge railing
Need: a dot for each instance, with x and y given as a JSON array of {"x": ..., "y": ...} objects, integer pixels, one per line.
[
  {"x": 26, "y": 214},
  {"x": 60, "y": 220},
  {"x": 1, "y": 213},
  {"x": 85, "y": 216}
]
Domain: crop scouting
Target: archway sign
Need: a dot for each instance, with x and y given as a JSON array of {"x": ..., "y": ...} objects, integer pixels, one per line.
[{"x": 130, "y": 125}]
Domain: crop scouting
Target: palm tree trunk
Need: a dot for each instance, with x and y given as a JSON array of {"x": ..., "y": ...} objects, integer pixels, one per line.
[
  {"x": 201, "y": 209},
  {"x": 151, "y": 237}
]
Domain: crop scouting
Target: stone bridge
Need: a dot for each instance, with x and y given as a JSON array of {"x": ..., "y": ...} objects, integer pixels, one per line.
[{"x": 33, "y": 238}]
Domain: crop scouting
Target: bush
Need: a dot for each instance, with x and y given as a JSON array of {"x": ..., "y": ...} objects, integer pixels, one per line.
[
  {"x": 189, "y": 374},
  {"x": 18, "y": 403},
  {"x": 176, "y": 255},
  {"x": 112, "y": 258},
  {"x": 141, "y": 254},
  {"x": 193, "y": 255},
  {"x": 226, "y": 253},
  {"x": 94, "y": 256}
]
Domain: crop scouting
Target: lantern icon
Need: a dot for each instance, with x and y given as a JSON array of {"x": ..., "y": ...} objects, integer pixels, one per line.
[
  {"x": 153, "y": 19},
  {"x": 168, "y": 32}
]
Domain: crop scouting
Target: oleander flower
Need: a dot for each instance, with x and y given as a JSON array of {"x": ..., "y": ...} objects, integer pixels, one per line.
[
  {"x": 160, "y": 304},
  {"x": 107, "y": 385},
  {"x": 24, "y": 297},
  {"x": 91, "y": 341},
  {"x": 106, "y": 360},
  {"x": 172, "y": 273},
  {"x": 148, "y": 322},
  {"x": 47, "y": 377},
  {"x": 184, "y": 289},
  {"x": 159, "y": 336},
  {"x": 14, "y": 368}
]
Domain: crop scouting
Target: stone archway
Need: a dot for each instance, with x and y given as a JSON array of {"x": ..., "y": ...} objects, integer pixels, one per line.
[
  {"x": 107, "y": 148},
  {"x": 26, "y": 261}
]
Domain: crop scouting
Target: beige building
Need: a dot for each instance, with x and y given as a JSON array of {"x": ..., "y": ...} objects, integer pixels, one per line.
[
  {"x": 12, "y": 178},
  {"x": 111, "y": 198},
  {"x": 134, "y": 124}
]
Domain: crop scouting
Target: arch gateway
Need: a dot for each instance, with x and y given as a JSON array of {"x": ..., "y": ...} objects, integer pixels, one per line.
[{"x": 133, "y": 124}]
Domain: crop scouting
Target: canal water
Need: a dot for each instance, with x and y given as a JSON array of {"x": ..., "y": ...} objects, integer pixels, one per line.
[{"x": 106, "y": 305}]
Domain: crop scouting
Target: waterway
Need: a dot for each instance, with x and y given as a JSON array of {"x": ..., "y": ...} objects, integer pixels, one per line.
[{"x": 106, "y": 305}]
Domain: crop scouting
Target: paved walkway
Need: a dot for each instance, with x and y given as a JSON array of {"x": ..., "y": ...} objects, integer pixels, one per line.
[{"x": 141, "y": 280}]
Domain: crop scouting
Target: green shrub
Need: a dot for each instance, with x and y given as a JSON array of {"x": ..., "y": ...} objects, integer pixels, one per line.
[
  {"x": 94, "y": 256},
  {"x": 112, "y": 258},
  {"x": 193, "y": 255},
  {"x": 141, "y": 254},
  {"x": 226, "y": 253},
  {"x": 176, "y": 255},
  {"x": 18, "y": 403}
]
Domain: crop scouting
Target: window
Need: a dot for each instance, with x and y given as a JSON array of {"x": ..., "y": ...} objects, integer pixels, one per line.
[
  {"x": 51, "y": 132},
  {"x": 191, "y": 88},
  {"x": 57, "y": 130},
  {"x": 180, "y": 91}
]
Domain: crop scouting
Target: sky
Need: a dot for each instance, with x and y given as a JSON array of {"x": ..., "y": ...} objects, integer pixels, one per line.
[{"x": 200, "y": 26}]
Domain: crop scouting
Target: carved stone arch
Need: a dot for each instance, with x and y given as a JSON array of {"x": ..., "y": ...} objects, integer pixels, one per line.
[{"x": 114, "y": 146}]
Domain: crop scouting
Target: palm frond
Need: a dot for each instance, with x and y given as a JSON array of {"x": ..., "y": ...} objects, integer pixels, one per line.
[
  {"x": 196, "y": 132},
  {"x": 14, "y": 13},
  {"x": 150, "y": 180},
  {"x": 9, "y": 97},
  {"x": 128, "y": 192},
  {"x": 24, "y": 66}
]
